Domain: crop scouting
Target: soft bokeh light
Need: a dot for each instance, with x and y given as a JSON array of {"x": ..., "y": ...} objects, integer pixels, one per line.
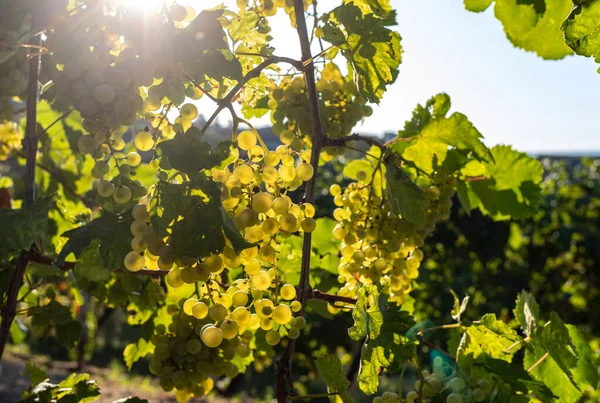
[{"x": 142, "y": 5}]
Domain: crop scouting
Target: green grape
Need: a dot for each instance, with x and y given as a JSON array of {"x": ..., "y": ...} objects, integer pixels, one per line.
[
  {"x": 241, "y": 316},
  {"x": 287, "y": 137},
  {"x": 174, "y": 278},
  {"x": 189, "y": 111},
  {"x": 296, "y": 306},
  {"x": 270, "y": 175},
  {"x": 479, "y": 395},
  {"x": 288, "y": 292},
  {"x": 261, "y": 304},
  {"x": 300, "y": 321},
  {"x": 134, "y": 159},
  {"x": 138, "y": 227},
  {"x": 484, "y": 384},
  {"x": 212, "y": 336},
  {"x": 266, "y": 310},
  {"x": 105, "y": 188},
  {"x": 335, "y": 190},
  {"x": 248, "y": 217},
  {"x": 138, "y": 244},
  {"x": 271, "y": 159},
  {"x": 217, "y": 312},
  {"x": 309, "y": 210},
  {"x": 143, "y": 141},
  {"x": 454, "y": 398},
  {"x": 308, "y": 224},
  {"x": 288, "y": 222},
  {"x": 221, "y": 175},
  {"x": 280, "y": 205},
  {"x": 193, "y": 346},
  {"x": 286, "y": 173},
  {"x": 200, "y": 310},
  {"x": 188, "y": 305},
  {"x": 104, "y": 93},
  {"x": 134, "y": 261},
  {"x": 270, "y": 226},
  {"x": 305, "y": 171},
  {"x": 246, "y": 140},
  {"x": 230, "y": 329},
  {"x": 261, "y": 280},
  {"x": 239, "y": 298},
  {"x": 223, "y": 299},
  {"x": 140, "y": 212},
  {"x": 261, "y": 202},
  {"x": 282, "y": 314},
  {"x": 252, "y": 268},
  {"x": 122, "y": 194},
  {"x": 272, "y": 338},
  {"x": 293, "y": 333},
  {"x": 87, "y": 144},
  {"x": 456, "y": 384},
  {"x": 214, "y": 263},
  {"x": 361, "y": 176},
  {"x": 244, "y": 173}
]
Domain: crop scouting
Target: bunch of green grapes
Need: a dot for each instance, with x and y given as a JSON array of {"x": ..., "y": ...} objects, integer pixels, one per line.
[
  {"x": 10, "y": 139},
  {"x": 378, "y": 247}
]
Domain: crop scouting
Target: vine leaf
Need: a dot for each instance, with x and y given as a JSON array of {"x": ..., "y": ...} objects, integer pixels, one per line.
[
  {"x": 518, "y": 379},
  {"x": 497, "y": 191},
  {"x": 238, "y": 242},
  {"x": 114, "y": 236},
  {"x": 381, "y": 8},
  {"x": 582, "y": 30},
  {"x": 388, "y": 351},
  {"x": 459, "y": 307},
  {"x": 134, "y": 351},
  {"x": 367, "y": 314},
  {"x": 585, "y": 374},
  {"x": 36, "y": 374},
  {"x": 527, "y": 312},
  {"x": 404, "y": 197},
  {"x": 57, "y": 315},
  {"x": 372, "y": 50},
  {"x": 330, "y": 369},
  {"x": 20, "y": 227}
]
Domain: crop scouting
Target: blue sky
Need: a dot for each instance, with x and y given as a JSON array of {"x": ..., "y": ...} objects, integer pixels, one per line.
[{"x": 511, "y": 96}]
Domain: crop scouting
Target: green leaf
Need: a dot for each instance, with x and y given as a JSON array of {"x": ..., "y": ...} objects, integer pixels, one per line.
[
  {"x": 518, "y": 379},
  {"x": 388, "y": 351},
  {"x": 381, "y": 8},
  {"x": 68, "y": 333},
  {"x": 486, "y": 338},
  {"x": 238, "y": 242},
  {"x": 355, "y": 166},
  {"x": 20, "y": 227},
  {"x": 322, "y": 241},
  {"x": 582, "y": 28},
  {"x": 372, "y": 50},
  {"x": 527, "y": 312},
  {"x": 114, "y": 236},
  {"x": 404, "y": 197},
  {"x": 500, "y": 193},
  {"x": 36, "y": 374},
  {"x": 89, "y": 264},
  {"x": 330, "y": 369},
  {"x": 535, "y": 26},
  {"x": 189, "y": 152},
  {"x": 458, "y": 307},
  {"x": 80, "y": 387},
  {"x": 367, "y": 315},
  {"x": 17, "y": 332},
  {"x": 134, "y": 351},
  {"x": 477, "y": 6}
]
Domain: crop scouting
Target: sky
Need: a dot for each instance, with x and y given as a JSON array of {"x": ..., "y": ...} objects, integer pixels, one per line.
[{"x": 511, "y": 96}]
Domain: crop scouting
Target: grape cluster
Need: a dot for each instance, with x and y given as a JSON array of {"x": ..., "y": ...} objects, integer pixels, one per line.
[
  {"x": 378, "y": 247},
  {"x": 10, "y": 139}
]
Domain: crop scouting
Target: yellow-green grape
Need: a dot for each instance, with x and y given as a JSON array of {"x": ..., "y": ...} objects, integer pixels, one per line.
[
  {"x": 305, "y": 171},
  {"x": 87, "y": 144},
  {"x": 309, "y": 210},
  {"x": 182, "y": 396},
  {"x": 272, "y": 338},
  {"x": 188, "y": 306},
  {"x": 134, "y": 159},
  {"x": 288, "y": 222},
  {"x": 287, "y": 137},
  {"x": 270, "y": 175},
  {"x": 335, "y": 190},
  {"x": 271, "y": 159},
  {"x": 239, "y": 298},
  {"x": 224, "y": 299},
  {"x": 214, "y": 263},
  {"x": 280, "y": 205},
  {"x": 261, "y": 280},
  {"x": 267, "y": 253},
  {"x": 300, "y": 322},
  {"x": 105, "y": 188},
  {"x": 266, "y": 323},
  {"x": 143, "y": 141},
  {"x": 454, "y": 398},
  {"x": 189, "y": 111},
  {"x": 361, "y": 176},
  {"x": 293, "y": 333},
  {"x": 138, "y": 227},
  {"x": 252, "y": 268},
  {"x": 270, "y": 226},
  {"x": 288, "y": 161},
  {"x": 140, "y": 212},
  {"x": 150, "y": 264},
  {"x": 246, "y": 140},
  {"x": 138, "y": 244},
  {"x": 266, "y": 310},
  {"x": 193, "y": 346},
  {"x": 261, "y": 202},
  {"x": 456, "y": 384},
  {"x": 134, "y": 261},
  {"x": 308, "y": 224},
  {"x": 254, "y": 322},
  {"x": 244, "y": 173},
  {"x": 200, "y": 310},
  {"x": 178, "y": 13},
  {"x": 230, "y": 329},
  {"x": 217, "y": 312},
  {"x": 241, "y": 316},
  {"x": 164, "y": 263},
  {"x": 412, "y": 263},
  {"x": 288, "y": 292},
  {"x": 221, "y": 175},
  {"x": 212, "y": 336},
  {"x": 122, "y": 194},
  {"x": 287, "y": 174},
  {"x": 282, "y": 314},
  {"x": 174, "y": 278},
  {"x": 417, "y": 254},
  {"x": 296, "y": 306}
]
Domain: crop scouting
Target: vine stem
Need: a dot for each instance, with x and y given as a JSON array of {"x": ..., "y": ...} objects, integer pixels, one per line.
[
  {"x": 284, "y": 365},
  {"x": 538, "y": 362},
  {"x": 30, "y": 144}
]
